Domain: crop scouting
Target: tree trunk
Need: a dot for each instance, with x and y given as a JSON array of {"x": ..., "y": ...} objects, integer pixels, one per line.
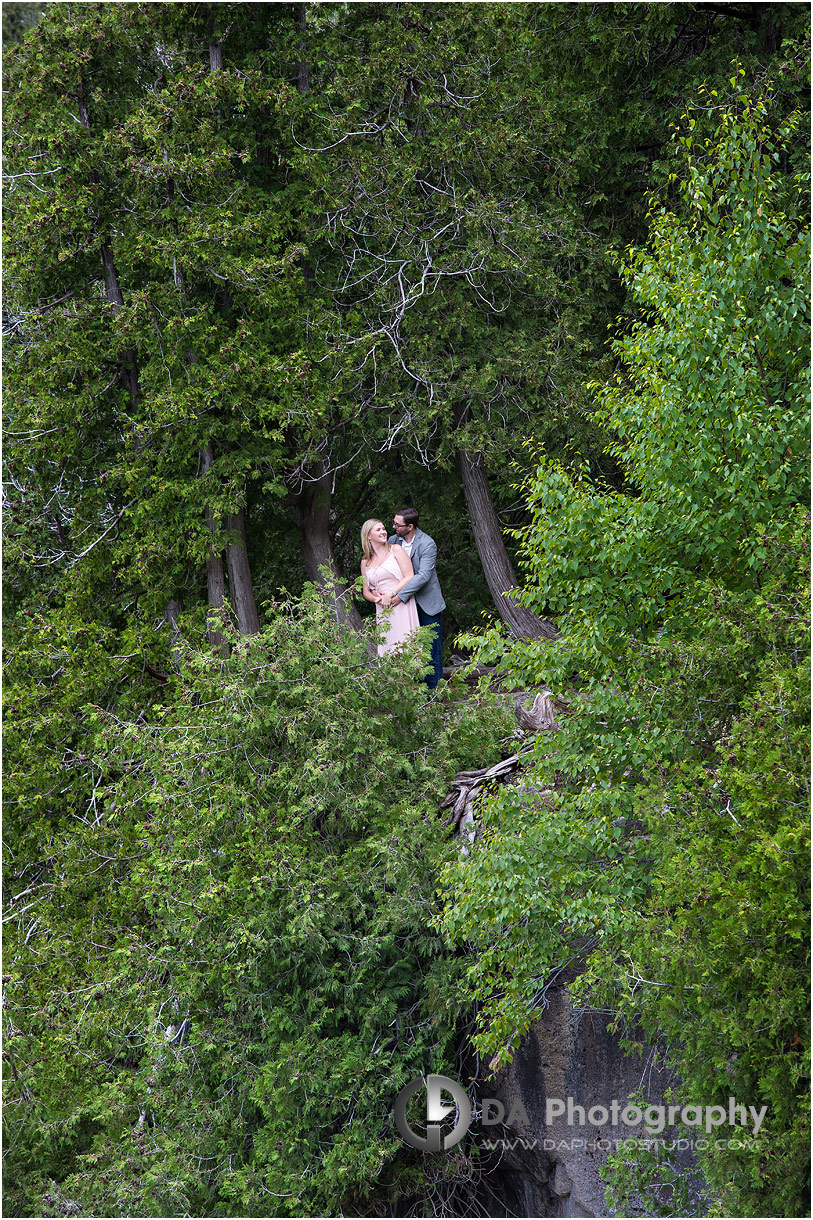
[
  {"x": 215, "y": 575},
  {"x": 313, "y": 518},
  {"x": 240, "y": 586},
  {"x": 215, "y": 572},
  {"x": 312, "y": 513},
  {"x": 497, "y": 567},
  {"x": 112, "y": 288},
  {"x": 302, "y": 77},
  {"x": 171, "y": 617},
  {"x": 241, "y": 589}
]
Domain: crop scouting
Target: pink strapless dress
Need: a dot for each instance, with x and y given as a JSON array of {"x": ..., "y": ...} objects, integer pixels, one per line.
[{"x": 400, "y": 621}]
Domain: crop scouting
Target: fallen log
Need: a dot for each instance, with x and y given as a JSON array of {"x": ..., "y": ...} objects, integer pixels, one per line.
[
  {"x": 468, "y": 786},
  {"x": 469, "y": 670}
]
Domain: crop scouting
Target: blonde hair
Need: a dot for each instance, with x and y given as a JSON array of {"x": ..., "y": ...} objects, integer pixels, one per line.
[{"x": 365, "y": 537}]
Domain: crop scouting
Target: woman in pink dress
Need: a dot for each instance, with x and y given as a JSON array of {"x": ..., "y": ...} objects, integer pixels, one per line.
[{"x": 386, "y": 569}]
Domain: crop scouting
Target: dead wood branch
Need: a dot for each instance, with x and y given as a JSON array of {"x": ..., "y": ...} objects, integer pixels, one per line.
[
  {"x": 468, "y": 786},
  {"x": 541, "y": 714}
]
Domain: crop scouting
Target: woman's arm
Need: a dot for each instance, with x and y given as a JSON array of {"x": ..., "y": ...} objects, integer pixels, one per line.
[{"x": 369, "y": 596}]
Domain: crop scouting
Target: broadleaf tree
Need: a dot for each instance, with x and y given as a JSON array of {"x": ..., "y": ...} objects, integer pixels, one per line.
[{"x": 670, "y": 853}]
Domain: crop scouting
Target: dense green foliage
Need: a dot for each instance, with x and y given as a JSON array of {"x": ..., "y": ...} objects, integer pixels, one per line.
[
  {"x": 362, "y": 244},
  {"x": 232, "y": 969},
  {"x": 672, "y": 851},
  {"x": 255, "y": 249}
]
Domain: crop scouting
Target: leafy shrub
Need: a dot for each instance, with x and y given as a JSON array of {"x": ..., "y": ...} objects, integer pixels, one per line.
[
  {"x": 234, "y": 970},
  {"x": 672, "y": 857}
]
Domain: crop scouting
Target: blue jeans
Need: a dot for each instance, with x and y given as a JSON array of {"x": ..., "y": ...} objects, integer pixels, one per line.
[{"x": 436, "y": 657}]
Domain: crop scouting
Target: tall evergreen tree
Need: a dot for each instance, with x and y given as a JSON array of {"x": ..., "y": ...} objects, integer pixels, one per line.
[{"x": 261, "y": 260}]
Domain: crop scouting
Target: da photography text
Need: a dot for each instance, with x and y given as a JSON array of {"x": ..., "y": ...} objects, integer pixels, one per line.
[{"x": 655, "y": 1119}]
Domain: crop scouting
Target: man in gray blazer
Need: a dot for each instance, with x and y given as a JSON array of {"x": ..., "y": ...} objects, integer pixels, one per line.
[{"x": 424, "y": 585}]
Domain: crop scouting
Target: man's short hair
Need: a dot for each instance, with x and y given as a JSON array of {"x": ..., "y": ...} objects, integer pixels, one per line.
[{"x": 409, "y": 516}]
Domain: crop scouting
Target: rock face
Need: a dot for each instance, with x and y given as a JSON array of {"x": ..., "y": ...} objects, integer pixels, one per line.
[
  {"x": 565, "y": 1055},
  {"x": 547, "y": 1158}
]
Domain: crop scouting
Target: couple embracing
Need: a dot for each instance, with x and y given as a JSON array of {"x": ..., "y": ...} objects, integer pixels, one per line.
[{"x": 400, "y": 577}]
